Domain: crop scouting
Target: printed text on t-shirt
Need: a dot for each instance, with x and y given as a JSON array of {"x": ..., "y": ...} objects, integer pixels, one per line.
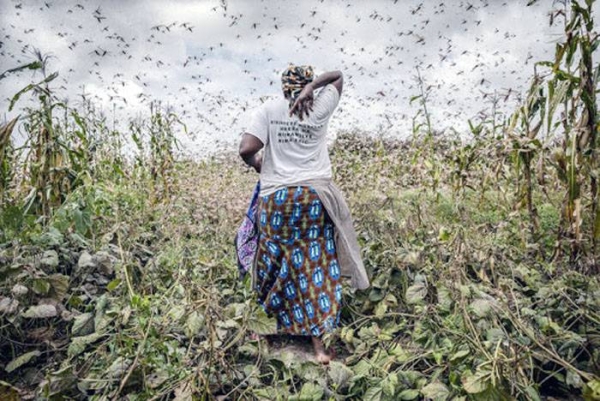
[{"x": 293, "y": 131}]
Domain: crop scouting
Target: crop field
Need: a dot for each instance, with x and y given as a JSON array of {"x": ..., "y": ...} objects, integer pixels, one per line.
[{"x": 118, "y": 276}]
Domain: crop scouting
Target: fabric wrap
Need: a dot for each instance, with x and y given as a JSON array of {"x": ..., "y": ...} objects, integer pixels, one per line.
[
  {"x": 351, "y": 264},
  {"x": 246, "y": 239},
  {"x": 294, "y": 79},
  {"x": 348, "y": 250}
]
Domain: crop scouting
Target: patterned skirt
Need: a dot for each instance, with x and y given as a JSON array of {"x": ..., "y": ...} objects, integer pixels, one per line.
[{"x": 297, "y": 271}]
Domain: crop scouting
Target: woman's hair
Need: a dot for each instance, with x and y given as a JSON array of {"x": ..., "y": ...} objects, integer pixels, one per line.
[{"x": 294, "y": 78}]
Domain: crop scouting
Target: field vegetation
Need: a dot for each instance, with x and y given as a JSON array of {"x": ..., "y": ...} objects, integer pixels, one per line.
[{"x": 118, "y": 277}]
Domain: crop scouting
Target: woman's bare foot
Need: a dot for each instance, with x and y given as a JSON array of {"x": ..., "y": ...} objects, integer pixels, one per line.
[
  {"x": 260, "y": 338},
  {"x": 322, "y": 356}
]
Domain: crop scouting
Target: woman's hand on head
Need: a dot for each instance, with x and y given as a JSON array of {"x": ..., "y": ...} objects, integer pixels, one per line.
[{"x": 304, "y": 102}]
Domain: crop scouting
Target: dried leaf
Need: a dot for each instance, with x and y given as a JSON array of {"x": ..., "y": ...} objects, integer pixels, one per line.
[
  {"x": 85, "y": 261},
  {"x": 60, "y": 286},
  {"x": 481, "y": 307},
  {"x": 41, "y": 312},
  {"x": 416, "y": 293},
  {"x": 22, "y": 360},
  {"x": 8, "y": 305},
  {"x": 339, "y": 373},
  {"x": 475, "y": 383},
  {"x": 83, "y": 324},
  {"x": 8, "y": 392},
  {"x": 183, "y": 392},
  {"x": 436, "y": 391},
  {"x": 19, "y": 290},
  {"x": 49, "y": 259}
]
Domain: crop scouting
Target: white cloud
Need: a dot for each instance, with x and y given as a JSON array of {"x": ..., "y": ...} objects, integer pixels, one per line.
[{"x": 212, "y": 66}]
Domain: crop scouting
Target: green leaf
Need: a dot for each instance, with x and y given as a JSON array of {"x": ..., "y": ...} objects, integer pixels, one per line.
[
  {"x": 444, "y": 234},
  {"x": 40, "y": 286},
  {"x": 444, "y": 299},
  {"x": 78, "y": 344},
  {"x": 373, "y": 394},
  {"x": 413, "y": 98},
  {"x": 591, "y": 391},
  {"x": 339, "y": 373},
  {"x": 399, "y": 353},
  {"x": 459, "y": 354},
  {"x": 416, "y": 293},
  {"x": 532, "y": 393},
  {"x": 113, "y": 284},
  {"x": 411, "y": 377},
  {"x": 492, "y": 394},
  {"x": 52, "y": 237},
  {"x": 475, "y": 383},
  {"x": 260, "y": 323},
  {"x": 574, "y": 380},
  {"x": 193, "y": 324},
  {"x": 310, "y": 392},
  {"x": 22, "y": 360},
  {"x": 36, "y": 65},
  {"x": 436, "y": 390},
  {"x": 362, "y": 368},
  {"x": 29, "y": 87},
  {"x": 376, "y": 294},
  {"x": 389, "y": 385},
  {"x": 381, "y": 309},
  {"x": 410, "y": 394}
]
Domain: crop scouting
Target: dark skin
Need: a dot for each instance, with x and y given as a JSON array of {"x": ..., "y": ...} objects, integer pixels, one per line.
[{"x": 251, "y": 145}]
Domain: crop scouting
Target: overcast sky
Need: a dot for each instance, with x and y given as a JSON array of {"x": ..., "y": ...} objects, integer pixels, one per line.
[{"x": 213, "y": 61}]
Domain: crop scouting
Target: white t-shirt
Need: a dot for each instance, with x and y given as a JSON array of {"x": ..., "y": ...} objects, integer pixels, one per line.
[{"x": 295, "y": 150}]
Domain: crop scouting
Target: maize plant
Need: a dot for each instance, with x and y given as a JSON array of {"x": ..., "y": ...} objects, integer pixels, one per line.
[
  {"x": 7, "y": 156},
  {"x": 163, "y": 144},
  {"x": 56, "y": 158},
  {"x": 574, "y": 82},
  {"x": 523, "y": 136}
]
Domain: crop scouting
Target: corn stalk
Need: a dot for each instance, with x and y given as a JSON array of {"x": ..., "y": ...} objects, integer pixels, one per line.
[
  {"x": 163, "y": 143},
  {"x": 577, "y": 163},
  {"x": 7, "y": 160},
  {"x": 522, "y": 134},
  {"x": 56, "y": 157}
]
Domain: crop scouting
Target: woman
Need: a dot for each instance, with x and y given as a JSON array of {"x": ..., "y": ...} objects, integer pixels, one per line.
[{"x": 306, "y": 239}]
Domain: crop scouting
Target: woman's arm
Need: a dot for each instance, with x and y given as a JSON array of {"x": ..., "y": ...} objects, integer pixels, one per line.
[
  {"x": 249, "y": 148},
  {"x": 336, "y": 78},
  {"x": 304, "y": 102}
]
